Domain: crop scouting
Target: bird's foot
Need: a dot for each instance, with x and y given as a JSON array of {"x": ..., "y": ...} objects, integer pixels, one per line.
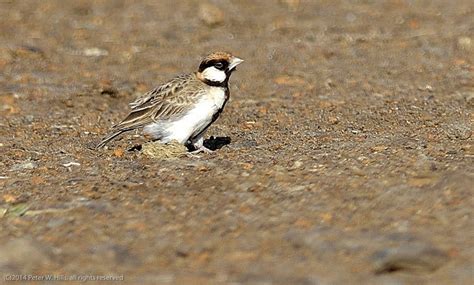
[{"x": 199, "y": 150}]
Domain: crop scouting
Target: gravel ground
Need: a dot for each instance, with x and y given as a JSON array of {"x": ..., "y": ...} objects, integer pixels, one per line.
[{"x": 346, "y": 151}]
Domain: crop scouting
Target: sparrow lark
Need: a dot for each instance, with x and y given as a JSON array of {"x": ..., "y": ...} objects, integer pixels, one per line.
[{"x": 183, "y": 108}]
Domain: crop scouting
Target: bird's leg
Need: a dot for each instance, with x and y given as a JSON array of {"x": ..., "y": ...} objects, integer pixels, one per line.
[{"x": 199, "y": 146}]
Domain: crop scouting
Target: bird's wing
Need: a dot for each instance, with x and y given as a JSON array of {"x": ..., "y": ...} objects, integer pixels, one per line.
[
  {"x": 164, "y": 90},
  {"x": 169, "y": 100}
]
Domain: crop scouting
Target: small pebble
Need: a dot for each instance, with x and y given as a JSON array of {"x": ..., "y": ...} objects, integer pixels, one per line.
[
  {"x": 413, "y": 257},
  {"x": 24, "y": 165},
  {"x": 72, "y": 163},
  {"x": 95, "y": 52},
  {"x": 211, "y": 15},
  {"x": 465, "y": 43}
]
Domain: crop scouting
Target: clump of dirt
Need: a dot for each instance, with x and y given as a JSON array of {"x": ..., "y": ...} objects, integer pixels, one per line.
[{"x": 158, "y": 150}]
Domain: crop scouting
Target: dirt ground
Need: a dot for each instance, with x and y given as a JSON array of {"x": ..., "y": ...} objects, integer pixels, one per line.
[{"x": 350, "y": 158}]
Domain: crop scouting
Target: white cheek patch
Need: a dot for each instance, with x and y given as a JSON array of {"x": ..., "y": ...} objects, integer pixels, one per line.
[{"x": 214, "y": 74}]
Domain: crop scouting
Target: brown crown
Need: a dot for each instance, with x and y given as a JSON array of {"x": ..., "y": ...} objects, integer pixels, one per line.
[{"x": 218, "y": 55}]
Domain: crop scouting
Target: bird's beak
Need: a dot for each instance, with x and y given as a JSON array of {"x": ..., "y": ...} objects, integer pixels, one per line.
[{"x": 234, "y": 62}]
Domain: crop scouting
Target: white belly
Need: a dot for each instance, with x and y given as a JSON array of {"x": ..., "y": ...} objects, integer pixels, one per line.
[{"x": 193, "y": 122}]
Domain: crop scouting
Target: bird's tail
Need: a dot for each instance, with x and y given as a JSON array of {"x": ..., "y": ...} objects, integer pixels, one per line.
[{"x": 110, "y": 137}]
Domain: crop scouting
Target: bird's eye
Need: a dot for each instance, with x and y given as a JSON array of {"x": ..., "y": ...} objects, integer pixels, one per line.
[{"x": 219, "y": 65}]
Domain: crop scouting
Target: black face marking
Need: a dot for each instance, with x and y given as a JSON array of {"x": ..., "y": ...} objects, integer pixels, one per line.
[{"x": 220, "y": 64}]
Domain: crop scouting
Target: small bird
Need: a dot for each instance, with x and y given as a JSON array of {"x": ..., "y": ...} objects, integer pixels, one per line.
[{"x": 183, "y": 108}]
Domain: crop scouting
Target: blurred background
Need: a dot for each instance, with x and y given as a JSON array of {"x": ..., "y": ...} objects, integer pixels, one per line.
[{"x": 350, "y": 159}]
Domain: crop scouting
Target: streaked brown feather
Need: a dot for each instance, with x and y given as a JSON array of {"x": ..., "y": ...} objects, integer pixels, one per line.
[{"x": 169, "y": 100}]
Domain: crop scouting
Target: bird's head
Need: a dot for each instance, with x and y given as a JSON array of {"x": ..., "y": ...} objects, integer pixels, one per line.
[{"x": 216, "y": 68}]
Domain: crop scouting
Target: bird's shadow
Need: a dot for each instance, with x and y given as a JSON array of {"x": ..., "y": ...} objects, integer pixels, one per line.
[{"x": 212, "y": 143}]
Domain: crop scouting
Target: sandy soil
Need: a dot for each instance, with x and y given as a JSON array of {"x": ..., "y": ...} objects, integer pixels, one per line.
[{"x": 350, "y": 158}]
